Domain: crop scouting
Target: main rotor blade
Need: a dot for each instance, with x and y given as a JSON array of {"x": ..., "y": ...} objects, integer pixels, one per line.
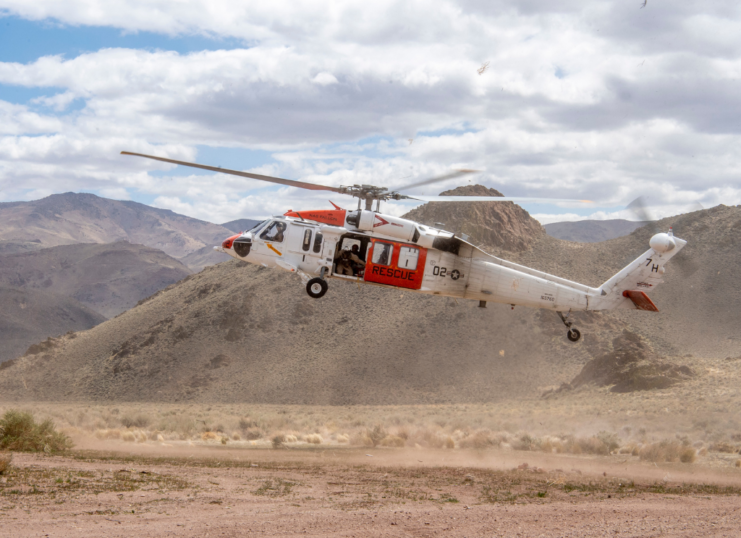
[
  {"x": 271, "y": 179},
  {"x": 640, "y": 210},
  {"x": 495, "y": 199},
  {"x": 450, "y": 175}
]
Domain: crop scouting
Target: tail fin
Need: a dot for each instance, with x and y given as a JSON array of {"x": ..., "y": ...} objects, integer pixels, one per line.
[{"x": 628, "y": 288}]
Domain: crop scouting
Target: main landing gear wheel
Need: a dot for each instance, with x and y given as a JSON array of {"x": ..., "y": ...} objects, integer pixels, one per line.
[
  {"x": 573, "y": 335},
  {"x": 316, "y": 287}
]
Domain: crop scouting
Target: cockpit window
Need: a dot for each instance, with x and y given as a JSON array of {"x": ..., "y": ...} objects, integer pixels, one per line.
[
  {"x": 257, "y": 226},
  {"x": 274, "y": 232}
]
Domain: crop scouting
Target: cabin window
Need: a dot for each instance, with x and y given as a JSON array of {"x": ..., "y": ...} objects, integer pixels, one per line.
[
  {"x": 318, "y": 242},
  {"x": 408, "y": 257},
  {"x": 274, "y": 232},
  {"x": 306, "y": 245},
  {"x": 382, "y": 253}
]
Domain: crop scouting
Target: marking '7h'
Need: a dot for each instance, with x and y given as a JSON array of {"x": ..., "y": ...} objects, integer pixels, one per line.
[{"x": 654, "y": 268}]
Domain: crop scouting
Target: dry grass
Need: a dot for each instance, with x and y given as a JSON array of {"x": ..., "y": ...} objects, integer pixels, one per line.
[
  {"x": 5, "y": 459},
  {"x": 19, "y": 431},
  {"x": 668, "y": 451},
  {"x": 588, "y": 422}
]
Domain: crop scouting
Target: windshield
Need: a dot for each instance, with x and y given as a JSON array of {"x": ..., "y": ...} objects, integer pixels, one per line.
[{"x": 256, "y": 227}]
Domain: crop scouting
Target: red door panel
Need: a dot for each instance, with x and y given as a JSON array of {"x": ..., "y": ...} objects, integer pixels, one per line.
[{"x": 392, "y": 263}]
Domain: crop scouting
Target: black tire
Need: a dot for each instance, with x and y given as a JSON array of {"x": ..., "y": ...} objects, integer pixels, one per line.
[
  {"x": 316, "y": 287},
  {"x": 573, "y": 335}
]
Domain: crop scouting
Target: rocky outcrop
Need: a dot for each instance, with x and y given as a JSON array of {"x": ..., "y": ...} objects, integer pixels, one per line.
[
  {"x": 500, "y": 225},
  {"x": 631, "y": 365}
]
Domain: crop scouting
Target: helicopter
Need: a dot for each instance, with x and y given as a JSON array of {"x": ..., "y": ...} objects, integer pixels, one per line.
[{"x": 366, "y": 246}]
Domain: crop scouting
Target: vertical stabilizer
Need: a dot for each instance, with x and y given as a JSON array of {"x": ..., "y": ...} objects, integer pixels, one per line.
[{"x": 629, "y": 287}]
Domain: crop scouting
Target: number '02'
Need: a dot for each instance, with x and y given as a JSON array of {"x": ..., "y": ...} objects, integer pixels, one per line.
[{"x": 439, "y": 271}]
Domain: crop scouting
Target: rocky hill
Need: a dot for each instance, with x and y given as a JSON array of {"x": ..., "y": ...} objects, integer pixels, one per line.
[
  {"x": 591, "y": 231},
  {"x": 503, "y": 226},
  {"x": 108, "y": 278},
  {"x": 63, "y": 219},
  {"x": 239, "y": 333},
  {"x": 29, "y": 316}
]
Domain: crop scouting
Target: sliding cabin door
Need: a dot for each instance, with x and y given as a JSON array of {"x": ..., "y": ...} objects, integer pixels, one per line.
[{"x": 395, "y": 264}]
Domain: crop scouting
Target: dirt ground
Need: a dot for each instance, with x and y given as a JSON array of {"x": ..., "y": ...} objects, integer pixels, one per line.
[{"x": 147, "y": 490}]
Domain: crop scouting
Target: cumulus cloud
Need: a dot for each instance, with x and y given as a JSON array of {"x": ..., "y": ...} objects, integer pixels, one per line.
[{"x": 601, "y": 100}]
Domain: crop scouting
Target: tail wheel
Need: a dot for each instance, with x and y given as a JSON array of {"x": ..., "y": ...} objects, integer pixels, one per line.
[
  {"x": 573, "y": 335},
  {"x": 316, "y": 287}
]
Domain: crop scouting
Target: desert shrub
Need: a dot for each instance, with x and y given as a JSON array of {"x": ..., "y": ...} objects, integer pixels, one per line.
[
  {"x": 135, "y": 421},
  {"x": 478, "y": 441},
  {"x": 314, "y": 438},
  {"x": 5, "y": 459},
  {"x": 722, "y": 446},
  {"x": 663, "y": 451},
  {"x": 361, "y": 439},
  {"x": 610, "y": 440},
  {"x": 687, "y": 455},
  {"x": 19, "y": 431},
  {"x": 738, "y": 463},
  {"x": 246, "y": 424},
  {"x": 252, "y": 434},
  {"x": 525, "y": 442},
  {"x": 278, "y": 440},
  {"x": 392, "y": 440},
  {"x": 236, "y": 436},
  {"x": 209, "y": 436},
  {"x": 449, "y": 443},
  {"x": 594, "y": 445},
  {"x": 376, "y": 434},
  {"x": 343, "y": 438},
  {"x": 128, "y": 437}
]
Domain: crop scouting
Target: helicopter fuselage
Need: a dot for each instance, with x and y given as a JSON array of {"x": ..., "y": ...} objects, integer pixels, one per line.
[{"x": 394, "y": 252}]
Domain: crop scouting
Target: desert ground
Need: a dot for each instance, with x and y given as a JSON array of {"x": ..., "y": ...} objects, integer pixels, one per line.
[{"x": 587, "y": 462}]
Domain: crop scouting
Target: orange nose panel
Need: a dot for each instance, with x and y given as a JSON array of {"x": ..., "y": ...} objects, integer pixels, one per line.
[{"x": 228, "y": 242}]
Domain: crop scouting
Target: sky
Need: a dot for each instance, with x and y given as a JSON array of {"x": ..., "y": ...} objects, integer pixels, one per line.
[{"x": 600, "y": 100}]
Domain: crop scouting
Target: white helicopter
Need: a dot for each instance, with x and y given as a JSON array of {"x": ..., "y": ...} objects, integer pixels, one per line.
[{"x": 367, "y": 246}]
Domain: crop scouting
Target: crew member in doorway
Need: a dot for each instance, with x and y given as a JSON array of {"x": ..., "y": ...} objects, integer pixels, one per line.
[
  {"x": 356, "y": 259},
  {"x": 346, "y": 261}
]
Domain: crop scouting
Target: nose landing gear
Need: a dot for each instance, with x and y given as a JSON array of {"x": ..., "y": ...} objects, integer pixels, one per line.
[{"x": 573, "y": 334}]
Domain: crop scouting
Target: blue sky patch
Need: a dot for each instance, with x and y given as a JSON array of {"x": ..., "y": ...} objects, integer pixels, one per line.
[{"x": 26, "y": 41}]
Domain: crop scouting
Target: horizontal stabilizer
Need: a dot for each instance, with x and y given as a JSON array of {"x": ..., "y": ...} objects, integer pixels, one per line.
[{"x": 641, "y": 300}]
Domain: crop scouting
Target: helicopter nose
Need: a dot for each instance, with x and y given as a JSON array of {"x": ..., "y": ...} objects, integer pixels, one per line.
[{"x": 227, "y": 244}]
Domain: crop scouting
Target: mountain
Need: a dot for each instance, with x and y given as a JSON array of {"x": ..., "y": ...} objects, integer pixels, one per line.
[
  {"x": 503, "y": 226},
  {"x": 108, "y": 278},
  {"x": 29, "y": 316},
  {"x": 241, "y": 333},
  {"x": 241, "y": 225},
  {"x": 591, "y": 231},
  {"x": 63, "y": 219},
  {"x": 14, "y": 247}
]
